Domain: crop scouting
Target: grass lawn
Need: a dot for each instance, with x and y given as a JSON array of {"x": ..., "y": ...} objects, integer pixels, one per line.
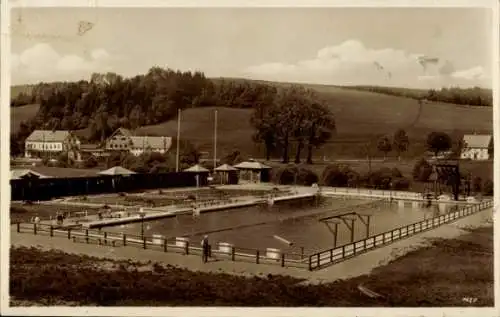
[
  {"x": 23, "y": 113},
  {"x": 442, "y": 274}
]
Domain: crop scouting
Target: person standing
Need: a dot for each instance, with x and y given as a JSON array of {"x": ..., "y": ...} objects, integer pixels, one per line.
[{"x": 205, "y": 249}]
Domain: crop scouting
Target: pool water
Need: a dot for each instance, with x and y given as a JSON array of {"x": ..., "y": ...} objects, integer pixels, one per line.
[{"x": 298, "y": 222}]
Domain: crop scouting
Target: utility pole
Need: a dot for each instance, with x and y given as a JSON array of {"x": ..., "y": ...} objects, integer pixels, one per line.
[
  {"x": 215, "y": 141},
  {"x": 178, "y": 140}
]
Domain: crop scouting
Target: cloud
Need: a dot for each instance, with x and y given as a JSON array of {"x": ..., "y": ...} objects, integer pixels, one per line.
[
  {"x": 351, "y": 63},
  {"x": 473, "y": 73},
  {"x": 42, "y": 62}
]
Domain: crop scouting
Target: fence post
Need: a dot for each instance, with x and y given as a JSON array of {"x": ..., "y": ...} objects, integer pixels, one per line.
[
  {"x": 310, "y": 263},
  {"x": 165, "y": 245},
  {"x": 343, "y": 251},
  {"x": 317, "y": 259},
  {"x": 392, "y": 235},
  {"x": 87, "y": 235},
  {"x": 105, "y": 238},
  {"x": 34, "y": 228},
  {"x": 232, "y": 253},
  {"x": 69, "y": 233},
  {"x": 257, "y": 257},
  {"x": 124, "y": 239},
  {"x": 18, "y": 227},
  {"x": 51, "y": 231},
  {"x": 144, "y": 242},
  {"x": 301, "y": 253}
]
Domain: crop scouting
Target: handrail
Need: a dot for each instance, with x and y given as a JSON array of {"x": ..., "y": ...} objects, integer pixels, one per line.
[
  {"x": 162, "y": 243},
  {"x": 334, "y": 255}
]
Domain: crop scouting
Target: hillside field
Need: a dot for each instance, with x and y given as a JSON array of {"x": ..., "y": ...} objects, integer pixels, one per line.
[
  {"x": 23, "y": 113},
  {"x": 359, "y": 116}
]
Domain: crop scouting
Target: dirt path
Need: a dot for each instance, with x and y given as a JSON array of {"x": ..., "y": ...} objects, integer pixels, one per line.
[{"x": 357, "y": 266}]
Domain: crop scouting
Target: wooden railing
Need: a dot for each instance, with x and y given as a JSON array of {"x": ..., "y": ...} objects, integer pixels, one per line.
[
  {"x": 332, "y": 256},
  {"x": 229, "y": 252}
]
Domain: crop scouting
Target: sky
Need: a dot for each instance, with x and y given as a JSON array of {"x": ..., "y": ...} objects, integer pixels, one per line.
[{"x": 404, "y": 47}]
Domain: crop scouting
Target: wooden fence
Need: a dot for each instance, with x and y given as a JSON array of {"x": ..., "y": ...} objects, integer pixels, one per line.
[
  {"x": 221, "y": 250},
  {"x": 228, "y": 252},
  {"x": 332, "y": 256}
]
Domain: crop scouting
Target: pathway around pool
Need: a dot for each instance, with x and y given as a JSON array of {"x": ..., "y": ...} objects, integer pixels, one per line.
[{"x": 357, "y": 266}]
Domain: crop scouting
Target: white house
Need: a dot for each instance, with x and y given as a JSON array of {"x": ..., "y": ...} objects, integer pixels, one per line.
[
  {"x": 48, "y": 143},
  {"x": 141, "y": 144},
  {"x": 125, "y": 140},
  {"x": 476, "y": 147}
]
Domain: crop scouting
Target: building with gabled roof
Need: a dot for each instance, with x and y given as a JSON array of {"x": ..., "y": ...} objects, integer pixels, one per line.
[
  {"x": 50, "y": 143},
  {"x": 125, "y": 140},
  {"x": 476, "y": 146}
]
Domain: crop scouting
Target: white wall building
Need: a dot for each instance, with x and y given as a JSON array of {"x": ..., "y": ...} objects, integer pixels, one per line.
[
  {"x": 48, "y": 143},
  {"x": 125, "y": 140},
  {"x": 476, "y": 147}
]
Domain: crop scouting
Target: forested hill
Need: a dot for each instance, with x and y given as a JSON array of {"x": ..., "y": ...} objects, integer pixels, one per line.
[{"x": 108, "y": 101}]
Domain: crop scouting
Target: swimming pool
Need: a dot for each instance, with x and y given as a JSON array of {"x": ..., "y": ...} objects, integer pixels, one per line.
[{"x": 256, "y": 227}]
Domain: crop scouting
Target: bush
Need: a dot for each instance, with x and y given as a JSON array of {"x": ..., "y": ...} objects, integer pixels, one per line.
[
  {"x": 380, "y": 179},
  {"x": 477, "y": 184},
  {"x": 488, "y": 187},
  {"x": 396, "y": 173},
  {"x": 338, "y": 175},
  {"x": 400, "y": 183},
  {"x": 291, "y": 174},
  {"x": 91, "y": 162},
  {"x": 422, "y": 171}
]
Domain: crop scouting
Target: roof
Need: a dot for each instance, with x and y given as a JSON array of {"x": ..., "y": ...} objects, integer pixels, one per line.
[
  {"x": 117, "y": 170},
  {"x": 22, "y": 173},
  {"x": 154, "y": 142},
  {"x": 252, "y": 165},
  {"x": 477, "y": 140},
  {"x": 196, "y": 168},
  {"x": 48, "y": 136},
  {"x": 225, "y": 168},
  {"x": 90, "y": 147},
  {"x": 123, "y": 131}
]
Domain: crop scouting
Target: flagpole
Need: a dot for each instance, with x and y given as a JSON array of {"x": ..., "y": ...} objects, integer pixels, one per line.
[
  {"x": 215, "y": 141},
  {"x": 178, "y": 139}
]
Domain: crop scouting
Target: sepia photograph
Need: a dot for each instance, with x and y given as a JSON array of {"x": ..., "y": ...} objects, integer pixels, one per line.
[{"x": 247, "y": 156}]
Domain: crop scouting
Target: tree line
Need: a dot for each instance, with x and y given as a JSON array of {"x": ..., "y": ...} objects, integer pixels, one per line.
[{"x": 462, "y": 96}]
